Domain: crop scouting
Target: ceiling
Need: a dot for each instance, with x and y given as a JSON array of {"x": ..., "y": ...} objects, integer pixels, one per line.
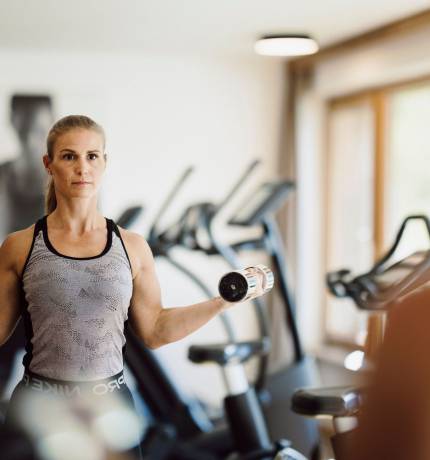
[{"x": 208, "y": 27}]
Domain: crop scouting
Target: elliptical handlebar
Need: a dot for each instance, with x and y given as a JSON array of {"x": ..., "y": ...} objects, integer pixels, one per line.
[
  {"x": 185, "y": 231},
  {"x": 342, "y": 285},
  {"x": 364, "y": 290},
  {"x": 237, "y": 185},
  {"x": 337, "y": 282},
  {"x": 153, "y": 234},
  {"x": 380, "y": 263}
]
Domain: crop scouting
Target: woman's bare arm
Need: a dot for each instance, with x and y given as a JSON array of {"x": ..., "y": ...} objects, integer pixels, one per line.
[
  {"x": 153, "y": 324},
  {"x": 13, "y": 252}
]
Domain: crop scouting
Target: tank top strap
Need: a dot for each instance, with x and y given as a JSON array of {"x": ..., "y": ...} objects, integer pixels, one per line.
[
  {"x": 38, "y": 227},
  {"x": 115, "y": 229},
  {"x": 110, "y": 224}
]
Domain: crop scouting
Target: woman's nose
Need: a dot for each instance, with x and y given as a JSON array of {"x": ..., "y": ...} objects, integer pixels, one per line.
[{"x": 81, "y": 165}]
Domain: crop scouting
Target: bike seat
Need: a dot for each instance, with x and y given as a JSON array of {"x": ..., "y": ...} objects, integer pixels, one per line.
[
  {"x": 332, "y": 401},
  {"x": 228, "y": 353}
]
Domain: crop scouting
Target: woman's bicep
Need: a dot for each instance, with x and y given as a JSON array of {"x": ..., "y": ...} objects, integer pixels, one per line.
[
  {"x": 10, "y": 293},
  {"x": 145, "y": 304}
]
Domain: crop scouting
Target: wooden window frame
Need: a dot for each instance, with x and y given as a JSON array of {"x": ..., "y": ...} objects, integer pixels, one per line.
[{"x": 378, "y": 97}]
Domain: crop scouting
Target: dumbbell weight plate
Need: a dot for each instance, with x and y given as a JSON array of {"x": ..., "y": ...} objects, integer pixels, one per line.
[{"x": 233, "y": 287}]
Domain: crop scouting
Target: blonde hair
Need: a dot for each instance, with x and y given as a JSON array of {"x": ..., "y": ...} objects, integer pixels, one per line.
[{"x": 61, "y": 127}]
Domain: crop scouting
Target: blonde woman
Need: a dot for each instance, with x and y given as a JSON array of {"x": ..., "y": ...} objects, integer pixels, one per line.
[{"x": 76, "y": 278}]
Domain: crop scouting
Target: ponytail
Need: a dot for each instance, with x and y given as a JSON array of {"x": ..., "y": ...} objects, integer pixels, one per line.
[{"x": 50, "y": 198}]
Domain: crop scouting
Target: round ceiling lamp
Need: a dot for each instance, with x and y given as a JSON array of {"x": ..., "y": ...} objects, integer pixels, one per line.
[{"x": 286, "y": 45}]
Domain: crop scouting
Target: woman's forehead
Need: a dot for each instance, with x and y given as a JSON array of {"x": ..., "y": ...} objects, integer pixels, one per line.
[{"x": 80, "y": 138}]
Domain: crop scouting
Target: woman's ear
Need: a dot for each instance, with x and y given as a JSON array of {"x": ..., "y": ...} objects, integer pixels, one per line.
[{"x": 47, "y": 162}]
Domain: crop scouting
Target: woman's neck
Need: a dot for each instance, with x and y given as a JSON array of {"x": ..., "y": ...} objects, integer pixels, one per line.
[{"x": 77, "y": 221}]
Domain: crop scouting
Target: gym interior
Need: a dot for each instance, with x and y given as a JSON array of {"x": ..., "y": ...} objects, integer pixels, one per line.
[{"x": 226, "y": 154}]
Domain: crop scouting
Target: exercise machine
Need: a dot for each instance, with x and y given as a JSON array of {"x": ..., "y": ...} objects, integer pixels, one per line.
[{"x": 376, "y": 290}]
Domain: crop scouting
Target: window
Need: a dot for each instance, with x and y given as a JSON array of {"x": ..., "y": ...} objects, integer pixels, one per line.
[
  {"x": 378, "y": 173},
  {"x": 350, "y": 191},
  {"x": 407, "y": 179}
]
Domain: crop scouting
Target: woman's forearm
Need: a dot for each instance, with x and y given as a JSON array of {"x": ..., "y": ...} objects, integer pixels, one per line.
[{"x": 176, "y": 323}]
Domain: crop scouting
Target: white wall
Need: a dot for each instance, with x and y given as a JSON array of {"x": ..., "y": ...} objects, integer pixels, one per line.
[
  {"x": 162, "y": 114},
  {"x": 394, "y": 58}
]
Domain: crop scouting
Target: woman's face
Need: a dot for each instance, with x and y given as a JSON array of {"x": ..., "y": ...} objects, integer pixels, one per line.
[{"x": 78, "y": 163}]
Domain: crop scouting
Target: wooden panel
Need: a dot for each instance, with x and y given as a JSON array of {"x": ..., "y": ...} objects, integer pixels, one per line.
[
  {"x": 394, "y": 28},
  {"x": 378, "y": 101}
]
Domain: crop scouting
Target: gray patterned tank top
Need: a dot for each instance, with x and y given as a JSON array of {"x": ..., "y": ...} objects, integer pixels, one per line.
[{"x": 75, "y": 309}]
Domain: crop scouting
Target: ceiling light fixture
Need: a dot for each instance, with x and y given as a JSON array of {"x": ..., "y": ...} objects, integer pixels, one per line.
[{"x": 286, "y": 45}]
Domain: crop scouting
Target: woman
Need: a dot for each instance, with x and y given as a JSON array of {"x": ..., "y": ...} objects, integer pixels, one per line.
[{"x": 76, "y": 278}]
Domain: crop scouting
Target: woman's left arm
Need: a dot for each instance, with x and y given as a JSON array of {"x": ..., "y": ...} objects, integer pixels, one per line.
[{"x": 153, "y": 324}]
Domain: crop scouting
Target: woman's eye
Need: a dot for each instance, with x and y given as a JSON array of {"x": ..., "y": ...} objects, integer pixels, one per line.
[
  {"x": 92, "y": 156},
  {"x": 68, "y": 156}
]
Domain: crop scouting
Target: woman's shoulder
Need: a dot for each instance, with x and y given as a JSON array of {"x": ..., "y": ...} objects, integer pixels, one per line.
[
  {"x": 19, "y": 239},
  {"x": 137, "y": 248},
  {"x": 16, "y": 246},
  {"x": 133, "y": 239}
]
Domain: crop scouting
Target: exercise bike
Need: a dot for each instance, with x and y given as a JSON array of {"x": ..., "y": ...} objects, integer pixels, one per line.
[{"x": 377, "y": 290}]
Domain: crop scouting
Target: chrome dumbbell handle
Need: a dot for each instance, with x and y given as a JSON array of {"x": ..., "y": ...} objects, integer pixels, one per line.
[
  {"x": 268, "y": 278},
  {"x": 246, "y": 284}
]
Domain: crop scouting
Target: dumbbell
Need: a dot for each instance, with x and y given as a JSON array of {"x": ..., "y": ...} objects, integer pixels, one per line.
[{"x": 246, "y": 284}]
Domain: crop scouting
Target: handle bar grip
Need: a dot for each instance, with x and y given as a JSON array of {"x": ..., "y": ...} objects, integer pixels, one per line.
[{"x": 336, "y": 282}]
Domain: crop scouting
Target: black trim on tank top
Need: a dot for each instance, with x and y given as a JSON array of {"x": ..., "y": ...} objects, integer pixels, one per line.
[
  {"x": 109, "y": 227},
  {"x": 28, "y": 328},
  {"x": 37, "y": 228},
  {"x": 125, "y": 327},
  {"x": 25, "y": 315},
  {"x": 118, "y": 233}
]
